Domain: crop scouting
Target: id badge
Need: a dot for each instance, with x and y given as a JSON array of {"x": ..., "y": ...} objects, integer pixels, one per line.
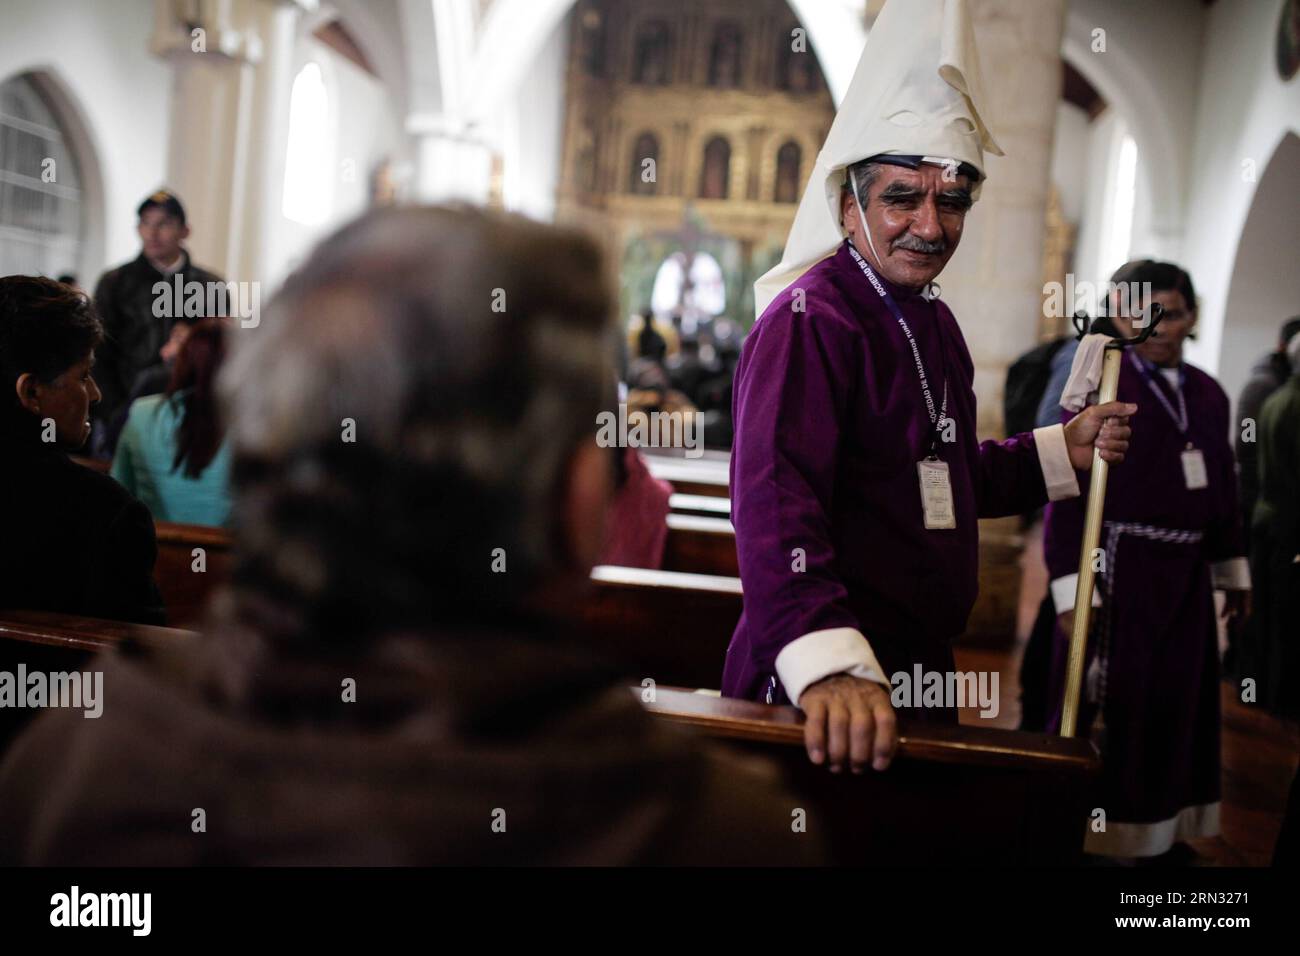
[
  {"x": 1194, "y": 474},
  {"x": 936, "y": 494}
]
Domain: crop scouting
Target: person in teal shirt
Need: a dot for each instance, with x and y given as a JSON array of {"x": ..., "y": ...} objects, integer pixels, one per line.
[{"x": 172, "y": 453}]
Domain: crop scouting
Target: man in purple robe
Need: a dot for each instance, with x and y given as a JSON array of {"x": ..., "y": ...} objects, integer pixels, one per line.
[
  {"x": 856, "y": 479},
  {"x": 1171, "y": 535},
  {"x": 844, "y": 582}
]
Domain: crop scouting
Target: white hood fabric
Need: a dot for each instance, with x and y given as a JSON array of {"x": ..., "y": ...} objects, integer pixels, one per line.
[{"x": 916, "y": 91}]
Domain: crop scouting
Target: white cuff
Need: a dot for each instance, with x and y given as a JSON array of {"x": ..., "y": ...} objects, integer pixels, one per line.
[
  {"x": 1058, "y": 473},
  {"x": 1064, "y": 591},
  {"x": 837, "y": 650},
  {"x": 1231, "y": 575}
]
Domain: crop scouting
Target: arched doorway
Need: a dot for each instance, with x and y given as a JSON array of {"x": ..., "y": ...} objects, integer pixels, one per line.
[{"x": 1265, "y": 287}]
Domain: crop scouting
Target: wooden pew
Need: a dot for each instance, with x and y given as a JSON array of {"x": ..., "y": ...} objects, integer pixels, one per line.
[
  {"x": 692, "y": 476},
  {"x": 185, "y": 590},
  {"x": 708, "y": 505},
  {"x": 700, "y": 544},
  {"x": 670, "y": 627},
  {"x": 954, "y": 795},
  {"x": 72, "y": 633},
  {"x": 49, "y": 642}
]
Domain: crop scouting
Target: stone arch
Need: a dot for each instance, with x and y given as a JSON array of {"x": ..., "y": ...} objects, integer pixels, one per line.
[
  {"x": 83, "y": 143},
  {"x": 1264, "y": 287},
  {"x": 1122, "y": 80}
]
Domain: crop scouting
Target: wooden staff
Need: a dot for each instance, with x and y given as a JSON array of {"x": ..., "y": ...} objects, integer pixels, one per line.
[{"x": 1113, "y": 354}]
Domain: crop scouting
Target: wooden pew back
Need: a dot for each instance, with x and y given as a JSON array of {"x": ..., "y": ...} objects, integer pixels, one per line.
[
  {"x": 692, "y": 476},
  {"x": 182, "y": 550},
  {"x": 670, "y": 627},
  {"x": 700, "y": 544},
  {"x": 954, "y": 795}
]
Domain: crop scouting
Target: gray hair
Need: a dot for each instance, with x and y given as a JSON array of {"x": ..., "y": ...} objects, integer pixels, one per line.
[
  {"x": 867, "y": 172},
  {"x": 469, "y": 353}
]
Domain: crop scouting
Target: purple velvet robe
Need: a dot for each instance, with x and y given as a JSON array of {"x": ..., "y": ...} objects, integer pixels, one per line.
[
  {"x": 1156, "y": 630},
  {"x": 830, "y": 424}
]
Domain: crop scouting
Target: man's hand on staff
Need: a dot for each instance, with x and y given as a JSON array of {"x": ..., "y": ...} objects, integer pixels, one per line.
[
  {"x": 849, "y": 720},
  {"x": 1105, "y": 426}
]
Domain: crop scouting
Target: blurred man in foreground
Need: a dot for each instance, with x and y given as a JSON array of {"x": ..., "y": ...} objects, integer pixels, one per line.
[{"x": 391, "y": 680}]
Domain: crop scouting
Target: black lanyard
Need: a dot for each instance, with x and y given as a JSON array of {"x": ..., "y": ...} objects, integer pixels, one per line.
[
  {"x": 936, "y": 418},
  {"x": 1180, "y": 414}
]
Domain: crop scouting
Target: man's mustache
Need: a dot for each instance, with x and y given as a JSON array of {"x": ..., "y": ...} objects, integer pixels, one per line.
[{"x": 917, "y": 244}]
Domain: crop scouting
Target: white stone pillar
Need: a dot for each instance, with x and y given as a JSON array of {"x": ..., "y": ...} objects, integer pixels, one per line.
[
  {"x": 994, "y": 282},
  {"x": 229, "y": 113}
]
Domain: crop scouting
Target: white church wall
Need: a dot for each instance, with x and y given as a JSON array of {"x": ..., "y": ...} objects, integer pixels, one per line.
[
  {"x": 98, "y": 55},
  {"x": 359, "y": 133},
  {"x": 1147, "y": 73},
  {"x": 1244, "y": 113},
  {"x": 533, "y": 130},
  {"x": 1070, "y": 143}
]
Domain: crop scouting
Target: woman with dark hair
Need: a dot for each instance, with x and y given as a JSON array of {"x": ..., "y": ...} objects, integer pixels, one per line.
[
  {"x": 1171, "y": 536},
  {"x": 172, "y": 452},
  {"x": 75, "y": 540}
]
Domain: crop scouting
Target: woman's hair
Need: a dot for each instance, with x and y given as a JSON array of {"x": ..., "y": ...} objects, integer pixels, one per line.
[
  {"x": 46, "y": 327},
  {"x": 200, "y": 432},
  {"x": 402, "y": 422}
]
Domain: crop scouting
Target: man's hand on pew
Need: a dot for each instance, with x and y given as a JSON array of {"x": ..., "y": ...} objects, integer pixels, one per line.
[{"x": 849, "y": 720}]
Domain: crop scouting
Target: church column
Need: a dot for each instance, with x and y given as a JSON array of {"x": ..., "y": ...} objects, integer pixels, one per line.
[
  {"x": 681, "y": 159},
  {"x": 994, "y": 282},
  {"x": 230, "y": 93}
]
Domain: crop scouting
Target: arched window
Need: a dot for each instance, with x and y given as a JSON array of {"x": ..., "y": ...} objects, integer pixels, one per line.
[
  {"x": 652, "y": 60},
  {"x": 724, "y": 56},
  {"x": 308, "y": 159},
  {"x": 1117, "y": 220},
  {"x": 41, "y": 216},
  {"x": 788, "y": 158},
  {"x": 715, "y": 174},
  {"x": 796, "y": 70},
  {"x": 643, "y": 176},
  {"x": 693, "y": 285}
]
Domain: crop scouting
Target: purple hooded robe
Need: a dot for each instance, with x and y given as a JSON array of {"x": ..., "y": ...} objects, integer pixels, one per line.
[{"x": 830, "y": 424}]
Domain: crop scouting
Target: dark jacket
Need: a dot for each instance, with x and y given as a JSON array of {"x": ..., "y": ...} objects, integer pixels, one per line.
[
  {"x": 75, "y": 540},
  {"x": 132, "y": 333},
  {"x": 1266, "y": 377},
  {"x": 467, "y": 748}
]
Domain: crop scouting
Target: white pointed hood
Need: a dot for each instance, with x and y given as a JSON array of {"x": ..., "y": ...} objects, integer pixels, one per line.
[{"x": 916, "y": 91}]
